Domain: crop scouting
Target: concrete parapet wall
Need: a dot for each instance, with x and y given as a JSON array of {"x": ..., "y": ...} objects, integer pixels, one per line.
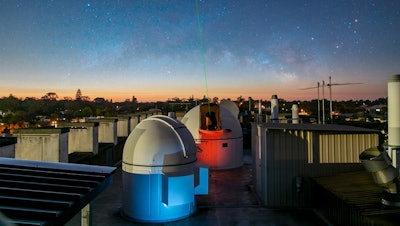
[
  {"x": 50, "y": 144},
  {"x": 134, "y": 120},
  {"x": 83, "y": 137},
  {"x": 123, "y": 125},
  {"x": 107, "y": 130}
]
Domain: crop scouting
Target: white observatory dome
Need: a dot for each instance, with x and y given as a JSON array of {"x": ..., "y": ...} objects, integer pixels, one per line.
[
  {"x": 231, "y": 106},
  {"x": 229, "y": 122},
  {"x": 160, "y": 172},
  {"x": 218, "y": 135},
  {"x": 158, "y": 141}
]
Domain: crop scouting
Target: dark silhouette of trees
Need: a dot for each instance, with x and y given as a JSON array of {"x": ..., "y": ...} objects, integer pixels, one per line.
[
  {"x": 15, "y": 110},
  {"x": 50, "y": 96},
  {"x": 10, "y": 103},
  {"x": 87, "y": 112},
  {"x": 78, "y": 94}
]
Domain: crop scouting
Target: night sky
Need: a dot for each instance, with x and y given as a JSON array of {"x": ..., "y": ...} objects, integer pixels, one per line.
[{"x": 154, "y": 50}]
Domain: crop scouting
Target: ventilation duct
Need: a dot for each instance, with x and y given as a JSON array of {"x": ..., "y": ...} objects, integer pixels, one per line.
[{"x": 377, "y": 161}]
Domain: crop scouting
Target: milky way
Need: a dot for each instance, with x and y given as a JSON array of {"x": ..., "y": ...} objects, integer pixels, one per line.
[{"x": 152, "y": 49}]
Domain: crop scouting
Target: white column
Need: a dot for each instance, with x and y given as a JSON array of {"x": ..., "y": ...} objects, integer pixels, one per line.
[
  {"x": 274, "y": 109},
  {"x": 394, "y": 117},
  {"x": 295, "y": 114}
]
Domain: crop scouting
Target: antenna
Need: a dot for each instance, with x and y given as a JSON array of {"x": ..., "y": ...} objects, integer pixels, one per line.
[
  {"x": 330, "y": 84},
  {"x": 330, "y": 93}
]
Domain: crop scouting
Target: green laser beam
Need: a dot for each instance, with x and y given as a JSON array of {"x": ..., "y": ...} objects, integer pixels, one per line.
[{"x": 202, "y": 53}]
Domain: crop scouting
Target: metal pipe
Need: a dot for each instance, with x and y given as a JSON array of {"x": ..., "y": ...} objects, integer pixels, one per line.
[
  {"x": 394, "y": 118},
  {"x": 295, "y": 114},
  {"x": 274, "y": 109},
  {"x": 393, "y": 110}
]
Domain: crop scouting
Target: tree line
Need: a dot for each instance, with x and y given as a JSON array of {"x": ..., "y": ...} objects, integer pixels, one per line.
[{"x": 16, "y": 110}]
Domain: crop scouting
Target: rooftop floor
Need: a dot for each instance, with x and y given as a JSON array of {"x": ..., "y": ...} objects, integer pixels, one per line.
[
  {"x": 231, "y": 201},
  {"x": 353, "y": 199}
]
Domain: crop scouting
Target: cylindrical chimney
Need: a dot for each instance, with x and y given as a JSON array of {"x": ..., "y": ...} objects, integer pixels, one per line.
[
  {"x": 295, "y": 114},
  {"x": 274, "y": 109},
  {"x": 394, "y": 119},
  {"x": 394, "y": 111},
  {"x": 259, "y": 116}
]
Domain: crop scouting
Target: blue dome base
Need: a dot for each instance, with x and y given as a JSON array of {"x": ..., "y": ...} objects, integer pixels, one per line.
[{"x": 157, "y": 198}]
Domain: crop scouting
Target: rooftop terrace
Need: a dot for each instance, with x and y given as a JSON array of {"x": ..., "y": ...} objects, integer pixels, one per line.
[{"x": 231, "y": 201}]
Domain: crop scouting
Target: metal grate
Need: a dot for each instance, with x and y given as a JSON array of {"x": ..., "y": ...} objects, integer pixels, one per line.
[{"x": 45, "y": 193}]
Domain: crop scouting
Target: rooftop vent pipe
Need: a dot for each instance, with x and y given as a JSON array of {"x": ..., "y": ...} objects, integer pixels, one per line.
[
  {"x": 377, "y": 161},
  {"x": 274, "y": 109},
  {"x": 295, "y": 114},
  {"x": 394, "y": 118}
]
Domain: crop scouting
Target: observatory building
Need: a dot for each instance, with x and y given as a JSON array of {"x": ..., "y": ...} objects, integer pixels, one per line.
[
  {"x": 218, "y": 134},
  {"x": 160, "y": 172}
]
